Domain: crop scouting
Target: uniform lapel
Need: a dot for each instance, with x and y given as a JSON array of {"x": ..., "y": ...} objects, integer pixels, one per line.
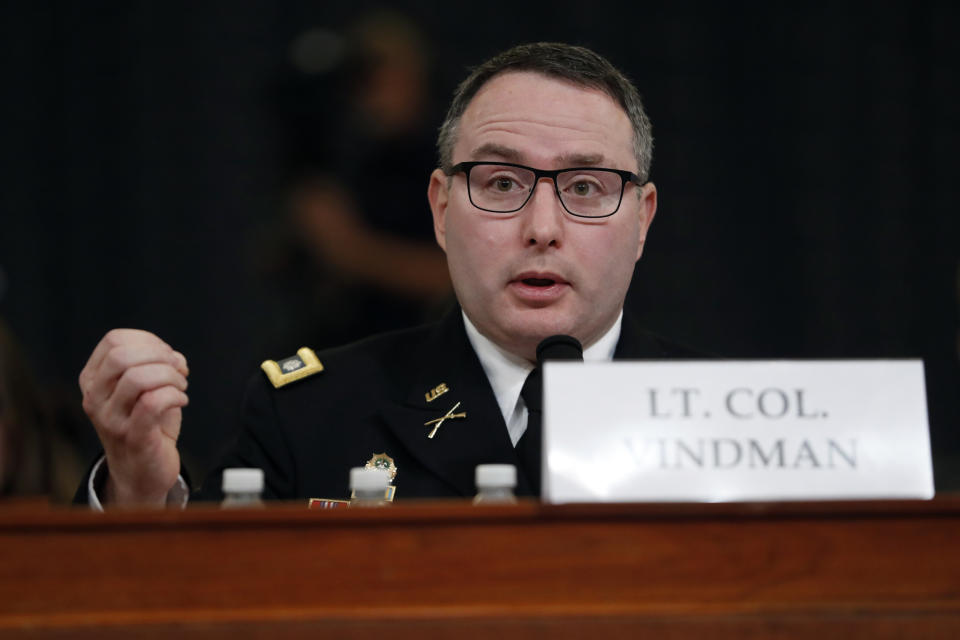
[
  {"x": 460, "y": 443},
  {"x": 637, "y": 344},
  {"x": 480, "y": 437}
]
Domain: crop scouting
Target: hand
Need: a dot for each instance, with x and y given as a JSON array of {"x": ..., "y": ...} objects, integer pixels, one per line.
[{"x": 134, "y": 388}]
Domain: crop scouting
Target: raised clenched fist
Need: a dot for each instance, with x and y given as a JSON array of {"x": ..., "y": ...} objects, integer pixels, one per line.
[{"x": 134, "y": 387}]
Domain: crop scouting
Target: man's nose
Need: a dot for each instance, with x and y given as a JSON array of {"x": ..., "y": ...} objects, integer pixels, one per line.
[{"x": 543, "y": 216}]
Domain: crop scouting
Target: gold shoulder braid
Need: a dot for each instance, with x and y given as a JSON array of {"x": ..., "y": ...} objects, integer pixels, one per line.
[{"x": 291, "y": 369}]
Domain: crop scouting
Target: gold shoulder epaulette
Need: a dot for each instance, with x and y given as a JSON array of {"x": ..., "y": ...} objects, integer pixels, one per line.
[{"x": 291, "y": 369}]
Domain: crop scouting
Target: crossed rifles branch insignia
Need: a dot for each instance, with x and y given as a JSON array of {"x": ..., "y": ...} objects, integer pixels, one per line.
[{"x": 449, "y": 415}]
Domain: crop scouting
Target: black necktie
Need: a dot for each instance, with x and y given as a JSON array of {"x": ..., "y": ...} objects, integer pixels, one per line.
[{"x": 530, "y": 445}]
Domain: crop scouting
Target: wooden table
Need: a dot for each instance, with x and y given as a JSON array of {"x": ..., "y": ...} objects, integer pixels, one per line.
[{"x": 789, "y": 570}]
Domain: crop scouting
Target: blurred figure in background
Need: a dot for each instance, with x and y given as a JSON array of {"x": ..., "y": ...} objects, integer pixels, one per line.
[
  {"x": 357, "y": 254},
  {"x": 36, "y": 459}
]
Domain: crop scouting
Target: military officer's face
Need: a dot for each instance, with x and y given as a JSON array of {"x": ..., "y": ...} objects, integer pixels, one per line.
[{"x": 540, "y": 271}]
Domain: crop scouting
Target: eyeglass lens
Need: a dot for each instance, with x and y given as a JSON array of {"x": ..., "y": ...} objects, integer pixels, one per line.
[{"x": 584, "y": 192}]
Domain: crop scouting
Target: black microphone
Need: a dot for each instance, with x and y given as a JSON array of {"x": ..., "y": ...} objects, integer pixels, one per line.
[{"x": 559, "y": 348}]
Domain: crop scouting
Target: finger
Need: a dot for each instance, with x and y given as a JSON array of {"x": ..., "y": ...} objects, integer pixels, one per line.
[
  {"x": 157, "y": 408},
  {"x": 119, "y": 337},
  {"x": 90, "y": 378},
  {"x": 154, "y": 415},
  {"x": 181, "y": 363},
  {"x": 99, "y": 386},
  {"x": 170, "y": 421},
  {"x": 141, "y": 379},
  {"x": 112, "y": 413}
]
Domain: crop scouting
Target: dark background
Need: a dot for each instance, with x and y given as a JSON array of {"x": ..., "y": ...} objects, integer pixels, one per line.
[{"x": 806, "y": 159}]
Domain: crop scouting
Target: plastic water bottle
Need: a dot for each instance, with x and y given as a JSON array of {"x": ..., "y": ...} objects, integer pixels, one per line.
[
  {"x": 495, "y": 484},
  {"x": 242, "y": 488},
  {"x": 369, "y": 487}
]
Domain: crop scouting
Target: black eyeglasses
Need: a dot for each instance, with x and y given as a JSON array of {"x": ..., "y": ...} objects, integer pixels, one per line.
[{"x": 504, "y": 187}]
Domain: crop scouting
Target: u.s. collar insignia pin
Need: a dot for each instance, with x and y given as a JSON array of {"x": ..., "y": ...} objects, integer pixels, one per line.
[
  {"x": 436, "y": 392},
  {"x": 288, "y": 370}
]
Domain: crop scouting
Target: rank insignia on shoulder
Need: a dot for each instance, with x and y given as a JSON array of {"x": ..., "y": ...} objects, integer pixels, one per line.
[{"x": 291, "y": 369}]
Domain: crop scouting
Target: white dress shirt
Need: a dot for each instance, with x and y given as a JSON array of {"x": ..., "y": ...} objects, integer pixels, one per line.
[{"x": 507, "y": 372}]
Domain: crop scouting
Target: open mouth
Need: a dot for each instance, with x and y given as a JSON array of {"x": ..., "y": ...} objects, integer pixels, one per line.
[
  {"x": 542, "y": 280},
  {"x": 539, "y": 287},
  {"x": 538, "y": 282}
]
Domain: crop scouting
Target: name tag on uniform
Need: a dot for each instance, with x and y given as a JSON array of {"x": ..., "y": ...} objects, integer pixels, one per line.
[{"x": 735, "y": 431}]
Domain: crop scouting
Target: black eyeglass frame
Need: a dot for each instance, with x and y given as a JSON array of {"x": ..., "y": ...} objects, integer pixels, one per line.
[{"x": 625, "y": 177}]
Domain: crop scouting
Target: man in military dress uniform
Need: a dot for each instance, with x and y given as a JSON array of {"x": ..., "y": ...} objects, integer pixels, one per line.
[{"x": 542, "y": 205}]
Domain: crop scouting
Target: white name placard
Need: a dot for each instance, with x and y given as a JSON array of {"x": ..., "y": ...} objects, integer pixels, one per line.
[{"x": 735, "y": 431}]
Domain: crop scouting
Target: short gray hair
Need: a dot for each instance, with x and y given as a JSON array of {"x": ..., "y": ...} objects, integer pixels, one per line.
[{"x": 577, "y": 65}]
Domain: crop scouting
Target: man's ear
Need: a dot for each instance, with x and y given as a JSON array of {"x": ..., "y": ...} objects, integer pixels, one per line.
[
  {"x": 648, "y": 209},
  {"x": 438, "y": 193}
]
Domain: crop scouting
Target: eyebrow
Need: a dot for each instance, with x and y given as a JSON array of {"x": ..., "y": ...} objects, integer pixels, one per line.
[
  {"x": 581, "y": 159},
  {"x": 498, "y": 151},
  {"x": 509, "y": 154}
]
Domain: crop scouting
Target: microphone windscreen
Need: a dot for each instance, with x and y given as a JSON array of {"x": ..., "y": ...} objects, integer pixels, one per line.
[{"x": 559, "y": 348}]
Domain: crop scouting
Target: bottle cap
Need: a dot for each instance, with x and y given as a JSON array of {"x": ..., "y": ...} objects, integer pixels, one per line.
[
  {"x": 364, "y": 479},
  {"x": 243, "y": 480},
  {"x": 496, "y": 475}
]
